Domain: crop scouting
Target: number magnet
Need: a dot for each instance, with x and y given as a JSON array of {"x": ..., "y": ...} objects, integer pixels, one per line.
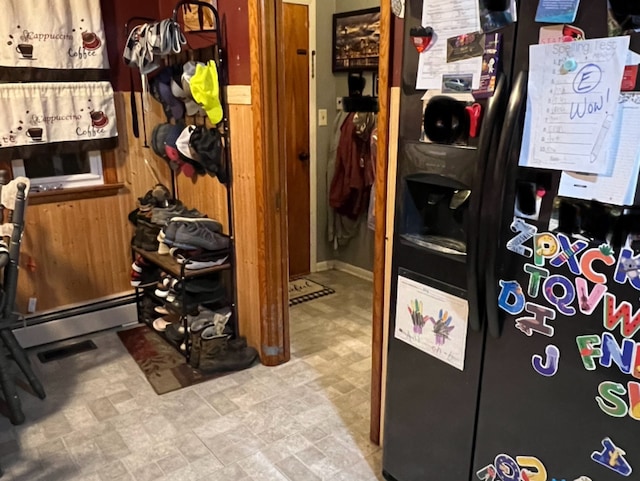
[{"x": 612, "y": 457}]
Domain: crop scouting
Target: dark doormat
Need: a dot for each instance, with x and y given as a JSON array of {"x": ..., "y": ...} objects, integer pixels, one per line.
[
  {"x": 164, "y": 367},
  {"x": 303, "y": 290}
]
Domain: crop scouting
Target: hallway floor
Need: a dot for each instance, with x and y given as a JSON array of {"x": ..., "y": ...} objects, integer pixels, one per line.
[{"x": 303, "y": 421}]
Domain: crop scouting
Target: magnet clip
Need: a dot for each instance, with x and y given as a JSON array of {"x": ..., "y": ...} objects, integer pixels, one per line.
[
  {"x": 422, "y": 37},
  {"x": 569, "y": 65},
  {"x": 474, "y": 112}
]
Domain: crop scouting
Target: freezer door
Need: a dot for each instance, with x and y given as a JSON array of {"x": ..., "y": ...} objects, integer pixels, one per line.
[{"x": 540, "y": 397}]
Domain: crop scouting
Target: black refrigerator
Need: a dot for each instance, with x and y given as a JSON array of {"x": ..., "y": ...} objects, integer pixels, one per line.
[{"x": 549, "y": 387}]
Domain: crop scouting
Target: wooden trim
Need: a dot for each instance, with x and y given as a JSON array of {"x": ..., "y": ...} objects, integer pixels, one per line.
[
  {"x": 239, "y": 94},
  {"x": 109, "y": 167},
  {"x": 379, "y": 306},
  {"x": 76, "y": 193},
  {"x": 267, "y": 81},
  {"x": 392, "y": 169}
]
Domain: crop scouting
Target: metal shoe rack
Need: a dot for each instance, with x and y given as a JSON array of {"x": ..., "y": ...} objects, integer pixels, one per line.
[{"x": 167, "y": 263}]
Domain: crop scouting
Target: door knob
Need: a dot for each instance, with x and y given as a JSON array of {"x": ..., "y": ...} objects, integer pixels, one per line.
[{"x": 302, "y": 156}]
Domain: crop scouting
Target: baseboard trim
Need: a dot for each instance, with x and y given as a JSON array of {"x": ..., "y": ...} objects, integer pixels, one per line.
[
  {"x": 345, "y": 267},
  {"x": 75, "y": 325},
  {"x": 324, "y": 266}
]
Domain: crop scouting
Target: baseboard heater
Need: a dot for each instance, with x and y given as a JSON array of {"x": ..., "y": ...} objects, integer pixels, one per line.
[{"x": 76, "y": 320}]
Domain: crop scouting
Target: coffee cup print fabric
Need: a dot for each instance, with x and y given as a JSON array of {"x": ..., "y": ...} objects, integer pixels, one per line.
[
  {"x": 35, "y": 134},
  {"x": 25, "y": 50},
  {"x": 99, "y": 119},
  {"x": 64, "y": 34},
  {"x": 90, "y": 41}
]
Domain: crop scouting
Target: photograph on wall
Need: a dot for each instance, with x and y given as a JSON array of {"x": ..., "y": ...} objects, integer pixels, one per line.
[
  {"x": 432, "y": 320},
  {"x": 356, "y": 40}
]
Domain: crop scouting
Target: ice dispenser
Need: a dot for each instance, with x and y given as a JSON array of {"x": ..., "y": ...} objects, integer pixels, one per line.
[{"x": 436, "y": 187}]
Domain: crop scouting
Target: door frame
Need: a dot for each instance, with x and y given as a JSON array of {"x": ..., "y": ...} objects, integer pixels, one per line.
[{"x": 313, "y": 135}]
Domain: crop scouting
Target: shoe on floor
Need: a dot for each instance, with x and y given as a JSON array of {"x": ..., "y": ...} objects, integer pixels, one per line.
[{"x": 219, "y": 354}]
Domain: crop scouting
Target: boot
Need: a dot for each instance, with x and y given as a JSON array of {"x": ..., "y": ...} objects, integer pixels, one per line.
[
  {"x": 221, "y": 354},
  {"x": 198, "y": 326}
]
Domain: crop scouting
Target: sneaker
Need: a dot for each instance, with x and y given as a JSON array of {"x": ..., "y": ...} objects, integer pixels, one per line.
[
  {"x": 194, "y": 234},
  {"x": 177, "y": 222},
  {"x": 165, "y": 286},
  {"x": 159, "y": 196},
  {"x": 163, "y": 215}
]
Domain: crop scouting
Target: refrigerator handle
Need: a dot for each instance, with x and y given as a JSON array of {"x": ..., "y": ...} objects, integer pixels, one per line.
[
  {"x": 496, "y": 198},
  {"x": 475, "y": 262}
]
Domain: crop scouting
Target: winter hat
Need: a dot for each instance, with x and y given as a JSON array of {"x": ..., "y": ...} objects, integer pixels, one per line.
[{"x": 205, "y": 90}]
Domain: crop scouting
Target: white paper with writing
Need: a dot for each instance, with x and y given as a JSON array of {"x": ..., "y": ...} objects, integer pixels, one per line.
[
  {"x": 47, "y": 112},
  {"x": 448, "y": 19},
  {"x": 52, "y": 34},
  {"x": 432, "y": 320},
  {"x": 618, "y": 188},
  {"x": 570, "y": 113}
]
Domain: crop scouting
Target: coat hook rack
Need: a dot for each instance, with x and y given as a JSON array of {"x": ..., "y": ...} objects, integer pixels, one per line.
[{"x": 356, "y": 102}]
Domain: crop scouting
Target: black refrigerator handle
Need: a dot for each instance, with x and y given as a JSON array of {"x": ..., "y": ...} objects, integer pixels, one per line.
[
  {"x": 475, "y": 263},
  {"x": 496, "y": 198}
]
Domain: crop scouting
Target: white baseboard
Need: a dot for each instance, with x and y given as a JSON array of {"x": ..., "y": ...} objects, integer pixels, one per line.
[
  {"x": 344, "y": 267},
  {"x": 324, "y": 266},
  {"x": 74, "y": 326}
]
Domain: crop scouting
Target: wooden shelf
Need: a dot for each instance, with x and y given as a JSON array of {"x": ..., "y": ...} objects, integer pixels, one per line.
[
  {"x": 168, "y": 264},
  {"x": 75, "y": 193}
]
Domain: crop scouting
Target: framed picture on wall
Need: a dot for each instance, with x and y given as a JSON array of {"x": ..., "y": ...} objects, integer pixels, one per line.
[{"x": 356, "y": 40}]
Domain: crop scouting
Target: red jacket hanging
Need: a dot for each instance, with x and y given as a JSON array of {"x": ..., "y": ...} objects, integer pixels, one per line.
[{"x": 351, "y": 183}]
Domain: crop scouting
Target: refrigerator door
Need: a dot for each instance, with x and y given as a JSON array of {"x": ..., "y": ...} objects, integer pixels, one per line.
[{"x": 559, "y": 389}]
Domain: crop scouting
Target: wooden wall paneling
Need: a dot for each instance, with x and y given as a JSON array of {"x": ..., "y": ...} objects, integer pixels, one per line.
[
  {"x": 245, "y": 220},
  {"x": 74, "y": 252},
  {"x": 267, "y": 83},
  {"x": 379, "y": 305},
  {"x": 394, "y": 124},
  {"x": 78, "y": 251}
]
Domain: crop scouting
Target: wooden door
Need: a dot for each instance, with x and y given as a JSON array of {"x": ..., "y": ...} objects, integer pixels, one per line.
[{"x": 296, "y": 73}]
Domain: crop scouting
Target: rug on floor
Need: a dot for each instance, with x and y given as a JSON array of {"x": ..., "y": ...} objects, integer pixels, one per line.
[
  {"x": 164, "y": 367},
  {"x": 303, "y": 290}
]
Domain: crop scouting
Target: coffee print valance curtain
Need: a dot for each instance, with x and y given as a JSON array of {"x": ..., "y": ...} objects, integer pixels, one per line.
[
  {"x": 56, "y": 117},
  {"x": 52, "y": 40}
]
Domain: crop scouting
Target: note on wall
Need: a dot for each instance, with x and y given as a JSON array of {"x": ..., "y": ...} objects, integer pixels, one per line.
[
  {"x": 619, "y": 188},
  {"x": 572, "y": 99},
  {"x": 448, "y": 19}
]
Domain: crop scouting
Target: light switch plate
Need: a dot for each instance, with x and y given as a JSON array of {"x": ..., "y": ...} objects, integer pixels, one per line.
[{"x": 322, "y": 117}]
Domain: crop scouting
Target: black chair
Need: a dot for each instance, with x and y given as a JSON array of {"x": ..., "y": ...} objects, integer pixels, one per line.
[{"x": 8, "y": 316}]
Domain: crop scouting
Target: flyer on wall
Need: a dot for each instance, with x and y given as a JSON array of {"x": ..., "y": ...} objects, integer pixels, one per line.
[{"x": 432, "y": 320}]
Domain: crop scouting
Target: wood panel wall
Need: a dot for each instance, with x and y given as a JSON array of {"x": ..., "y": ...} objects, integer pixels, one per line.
[{"x": 78, "y": 251}]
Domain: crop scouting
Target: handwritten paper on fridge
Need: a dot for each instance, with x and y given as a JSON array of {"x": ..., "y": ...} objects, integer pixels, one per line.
[
  {"x": 448, "y": 19},
  {"x": 619, "y": 187},
  {"x": 572, "y": 99},
  {"x": 432, "y": 320}
]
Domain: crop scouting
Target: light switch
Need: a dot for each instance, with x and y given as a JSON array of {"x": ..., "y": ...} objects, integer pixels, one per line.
[{"x": 322, "y": 117}]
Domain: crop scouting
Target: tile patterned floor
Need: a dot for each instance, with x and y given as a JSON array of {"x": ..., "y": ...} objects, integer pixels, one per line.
[{"x": 306, "y": 420}]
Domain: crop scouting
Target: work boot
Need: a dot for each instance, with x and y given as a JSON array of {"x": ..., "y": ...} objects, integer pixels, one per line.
[
  {"x": 221, "y": 354},
  {"x": 198, "y": 326}
]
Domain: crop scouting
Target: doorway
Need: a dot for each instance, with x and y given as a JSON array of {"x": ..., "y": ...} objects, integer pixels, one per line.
[{"x": 298, "y": 153}]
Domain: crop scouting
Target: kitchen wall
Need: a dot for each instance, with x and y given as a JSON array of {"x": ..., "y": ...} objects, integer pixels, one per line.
[{"x": 359, "y": 251}]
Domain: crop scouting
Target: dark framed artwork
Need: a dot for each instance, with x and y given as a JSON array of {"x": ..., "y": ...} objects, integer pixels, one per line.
[{"x": 356, "y": 40}]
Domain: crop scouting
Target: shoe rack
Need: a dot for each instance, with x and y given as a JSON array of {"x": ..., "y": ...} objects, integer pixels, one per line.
[{"x": 167, "y": 263}]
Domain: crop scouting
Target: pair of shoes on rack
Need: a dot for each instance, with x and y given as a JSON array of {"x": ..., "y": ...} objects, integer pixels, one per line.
[
  {"x": 143, "y": 272},
  {"x": 162, "y": 215},
  {"x": 192, "y": 234},
  {"x": 214, "y": 350}
]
